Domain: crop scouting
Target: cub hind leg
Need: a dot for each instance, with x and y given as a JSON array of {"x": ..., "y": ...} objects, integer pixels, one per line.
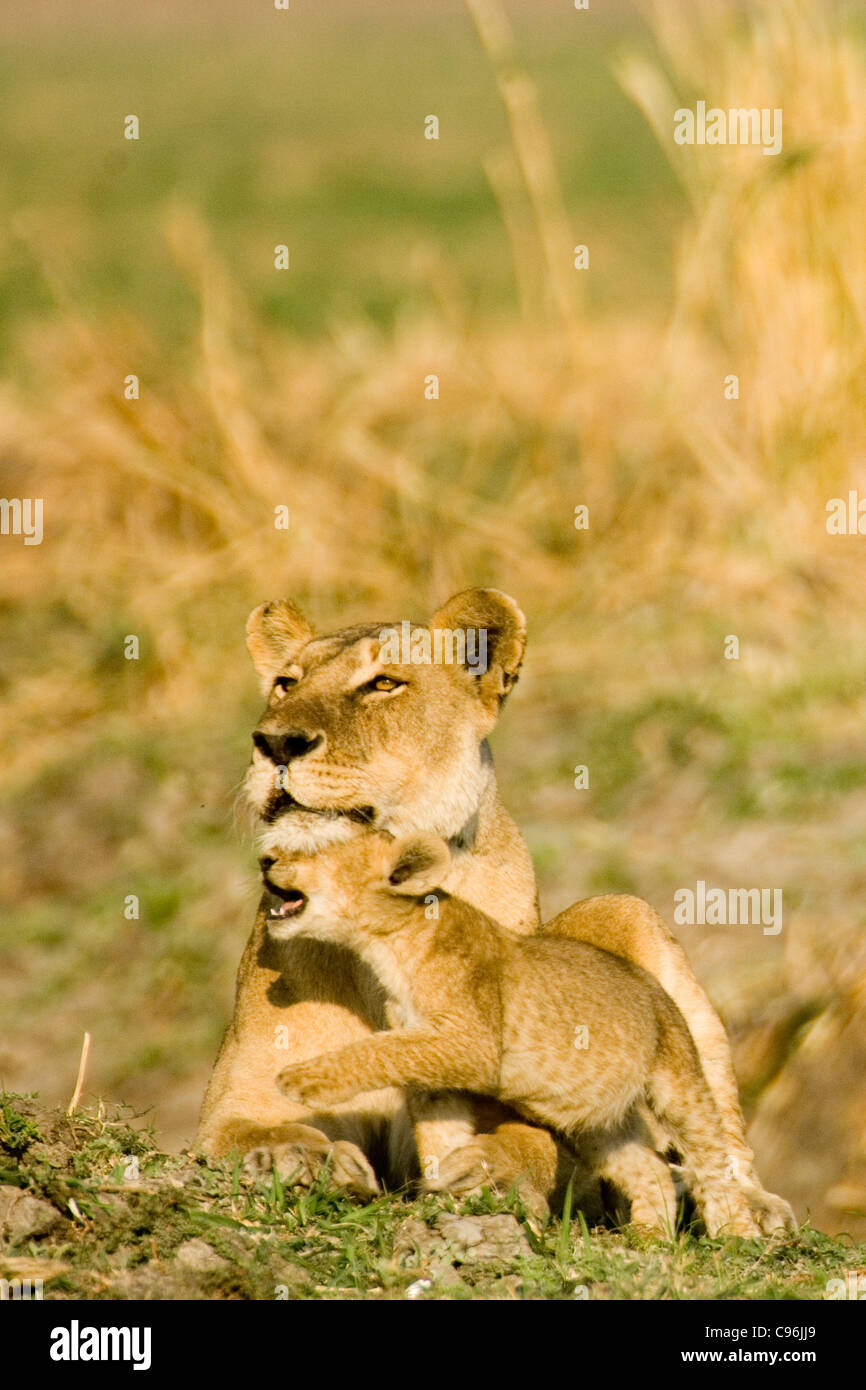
[
  {"x": 679, "y": 1096},
  {"x": 626, "y": 1159},
  {"x": 631, "y": 928}
]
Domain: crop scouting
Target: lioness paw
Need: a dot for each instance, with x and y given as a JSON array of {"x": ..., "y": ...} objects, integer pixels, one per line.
[
  {"x": 300, "y": 1165},
  {"x": 482, "y": 1164}
]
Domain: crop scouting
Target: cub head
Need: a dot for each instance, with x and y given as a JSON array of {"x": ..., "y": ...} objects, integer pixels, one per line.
[
  {"x": 349, "y": 893},
  {"x": 382, "y": 725}
]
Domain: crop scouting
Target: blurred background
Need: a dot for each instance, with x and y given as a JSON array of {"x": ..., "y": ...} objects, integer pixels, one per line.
[{"x": 558, "y": 387}]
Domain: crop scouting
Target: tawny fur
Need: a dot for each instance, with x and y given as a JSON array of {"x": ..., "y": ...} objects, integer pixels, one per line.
[
  {"x": 412, "y": 759},
  {"x": 571, "y": 1036}
]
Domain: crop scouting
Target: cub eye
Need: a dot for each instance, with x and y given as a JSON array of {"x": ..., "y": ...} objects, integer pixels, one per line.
[{"x": 284, "y": 683}]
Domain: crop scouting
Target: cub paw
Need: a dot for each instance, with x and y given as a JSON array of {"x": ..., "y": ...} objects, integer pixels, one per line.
[
  {"x": 726, "y": 1213},
  {"x": 772, "y": 1214},
  {"x": 308, "y": 1087}
]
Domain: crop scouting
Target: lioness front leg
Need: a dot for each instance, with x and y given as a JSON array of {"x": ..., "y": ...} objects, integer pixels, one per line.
[
  {"x": 631, "y": 928},
  {"x": 433, "y": 1060},
  {"x": 243, "y": 1111}
]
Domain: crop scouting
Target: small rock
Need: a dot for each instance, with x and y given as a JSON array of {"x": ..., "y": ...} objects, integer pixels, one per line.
[
  {"x": 418, "y": 1288},
  {"x": 24, "y": 1217},
  {"x": 291, "y": 1274},
  {"x": 413, "y": 1240},
  {"x": 200, "y": 1257},
  {"x": 464, "y": 1231},
  {"x": 478, "y": 1239},
  {"x": 157, "y": 1281},
  {"x": 55, "y": 1155},
  {"x": 25, "y": 1267},
  {"x": 458, "y": 1240}
]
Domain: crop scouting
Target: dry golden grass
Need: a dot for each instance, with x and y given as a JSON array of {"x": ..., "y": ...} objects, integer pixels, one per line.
[{"x": 396, "y": 498}]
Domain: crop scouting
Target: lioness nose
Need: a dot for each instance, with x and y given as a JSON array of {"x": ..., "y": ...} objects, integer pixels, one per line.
[{"x": 282, "y": 748}]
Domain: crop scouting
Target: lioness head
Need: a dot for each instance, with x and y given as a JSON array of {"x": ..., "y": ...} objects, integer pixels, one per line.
[
  {"x": 348, "y": 894},
  {"x": 381, "y": 725}
]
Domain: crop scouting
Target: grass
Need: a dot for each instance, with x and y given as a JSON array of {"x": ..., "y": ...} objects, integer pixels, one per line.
[
  {"x": 129, "y": 1234},
  {"x": 707, "y": 515},
  {"x": 245, "y": 137}
]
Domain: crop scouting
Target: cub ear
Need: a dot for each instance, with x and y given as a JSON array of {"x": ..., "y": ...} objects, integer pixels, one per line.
[
  {"x": 495, "y": 631},
  {"x": 417, "y": 864},
  {"x": 275, "y": 632}
]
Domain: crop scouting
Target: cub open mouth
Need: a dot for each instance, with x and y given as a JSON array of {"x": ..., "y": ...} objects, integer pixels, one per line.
[{"x": 292, "y": 901}]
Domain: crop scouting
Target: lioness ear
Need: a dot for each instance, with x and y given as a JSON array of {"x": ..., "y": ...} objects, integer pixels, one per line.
[
  {"x": 275, "y": 631},
  {"x": 418, "y": 864},
  {"x": 495, "y": 631}
]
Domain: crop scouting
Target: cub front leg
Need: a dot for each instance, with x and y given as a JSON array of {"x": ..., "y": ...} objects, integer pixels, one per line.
[{"x": 434, "y": 1061}]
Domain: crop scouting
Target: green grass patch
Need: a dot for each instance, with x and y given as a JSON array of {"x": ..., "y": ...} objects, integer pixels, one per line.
[{"x": 140, "y": 1224}]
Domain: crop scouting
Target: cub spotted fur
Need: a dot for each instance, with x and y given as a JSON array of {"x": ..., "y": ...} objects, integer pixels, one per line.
[{"x": 492, "y": 1012}]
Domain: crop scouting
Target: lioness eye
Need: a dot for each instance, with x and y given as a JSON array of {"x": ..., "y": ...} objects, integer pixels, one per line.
[{"x": 385, "y": 683}]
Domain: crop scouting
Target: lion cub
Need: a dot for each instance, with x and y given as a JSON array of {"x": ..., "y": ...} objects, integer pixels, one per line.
[{"x": 571, "y": 1036}]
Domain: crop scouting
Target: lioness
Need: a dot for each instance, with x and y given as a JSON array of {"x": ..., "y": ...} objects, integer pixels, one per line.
[
  {"x": 568, "y": 1034},
  {"x": 349, "y": 742}
]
